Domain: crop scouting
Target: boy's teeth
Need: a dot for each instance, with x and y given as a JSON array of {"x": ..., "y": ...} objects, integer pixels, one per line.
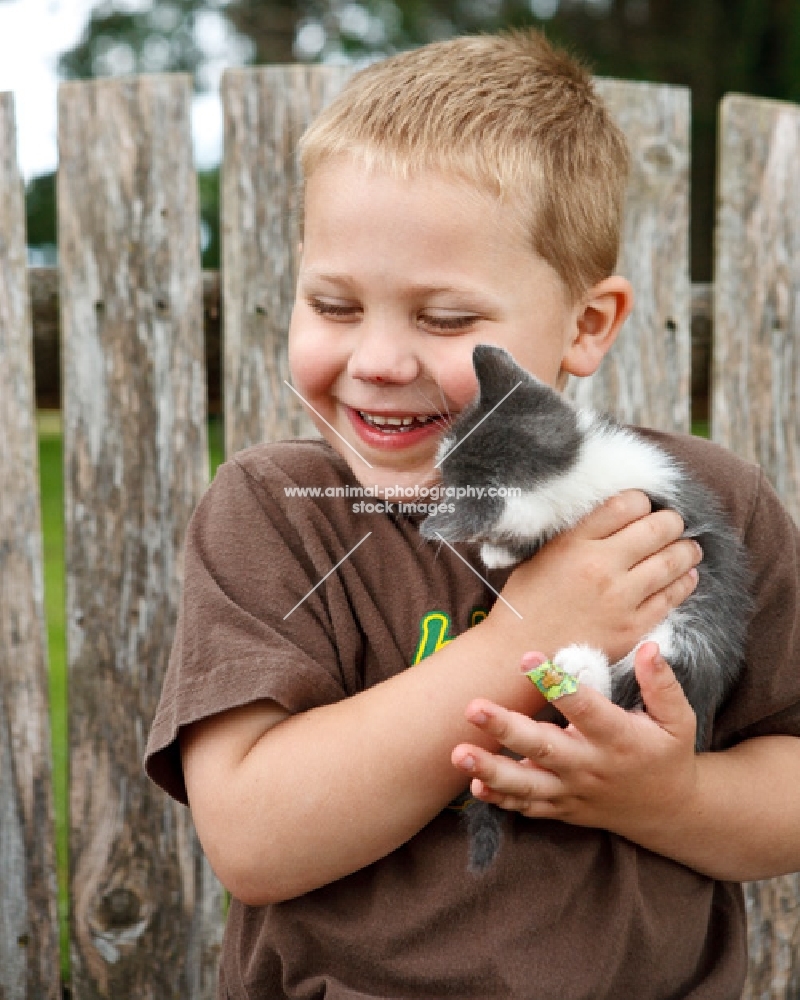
[{"x": 393, "y": 421}]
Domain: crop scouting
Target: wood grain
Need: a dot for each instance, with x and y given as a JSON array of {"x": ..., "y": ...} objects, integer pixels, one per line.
[
  {"x": 146, "y": 913},
  {"x": 29, "y": 961},
  {"x": 755, "y": 389},
  {"x": 266, "y": 111},
  {"x": 646, "y": 377},
  {"x": 755, "y": 399}
]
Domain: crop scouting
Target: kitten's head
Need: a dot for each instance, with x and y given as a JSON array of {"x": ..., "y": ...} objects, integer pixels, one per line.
[{"x": 518, "y": 432}]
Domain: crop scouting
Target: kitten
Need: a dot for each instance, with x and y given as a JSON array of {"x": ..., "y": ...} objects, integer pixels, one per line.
[{"x": 519, "y": 432}]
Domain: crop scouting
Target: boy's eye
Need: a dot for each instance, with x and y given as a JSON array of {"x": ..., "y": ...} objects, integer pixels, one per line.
[
  {"x": 334, "y": 310},
  {"x": 437, "y": 321}
]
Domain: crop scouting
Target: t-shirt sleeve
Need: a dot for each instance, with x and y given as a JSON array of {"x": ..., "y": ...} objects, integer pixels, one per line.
[
  {"x": 766, "y": 700},
  {"x": 251, "y": 625}
]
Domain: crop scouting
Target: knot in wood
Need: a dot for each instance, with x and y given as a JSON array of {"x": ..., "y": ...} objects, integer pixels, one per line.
[
  {"x": 661, "y": 157},
  {"x": 119, "y": 908}
]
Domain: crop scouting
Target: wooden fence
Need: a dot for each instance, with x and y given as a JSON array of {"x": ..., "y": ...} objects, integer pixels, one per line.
[{"x": 146, "y": 913}]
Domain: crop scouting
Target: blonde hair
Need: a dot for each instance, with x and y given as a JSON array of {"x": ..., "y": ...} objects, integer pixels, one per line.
[{"x": 509, "y": 113}]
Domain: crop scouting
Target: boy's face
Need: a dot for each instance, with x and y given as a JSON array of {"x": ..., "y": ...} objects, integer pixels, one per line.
[{"x": 399, "y": 279}]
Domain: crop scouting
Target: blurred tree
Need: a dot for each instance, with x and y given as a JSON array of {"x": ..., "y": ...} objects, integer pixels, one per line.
[{"x": 40, "y": 199}]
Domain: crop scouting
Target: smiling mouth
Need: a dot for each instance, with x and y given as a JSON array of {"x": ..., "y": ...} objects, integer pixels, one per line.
[{"x": 396, "y": 425}]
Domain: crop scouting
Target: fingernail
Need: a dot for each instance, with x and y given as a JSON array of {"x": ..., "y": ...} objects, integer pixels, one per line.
[
  {"x": 478, "y": 718},
  {"x": 552, "y": 681},
  {"x": 531, "y": 660},
  {"x": 467, "y": 763},
  {"x": 699, "y": 549}
]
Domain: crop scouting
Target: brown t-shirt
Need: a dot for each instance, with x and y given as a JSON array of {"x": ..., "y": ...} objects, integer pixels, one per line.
[{"x": 564, "y": 912}]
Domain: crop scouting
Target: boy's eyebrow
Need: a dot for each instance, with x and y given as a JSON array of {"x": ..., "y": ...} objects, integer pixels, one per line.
[{"x": 415, "y": 288}]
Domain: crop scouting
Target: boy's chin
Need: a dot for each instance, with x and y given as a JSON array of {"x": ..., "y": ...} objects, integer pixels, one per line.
[{"x": 410, "y": 481}]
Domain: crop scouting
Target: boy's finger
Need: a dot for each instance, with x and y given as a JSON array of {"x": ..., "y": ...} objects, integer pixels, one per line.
[
  {"x": 504, "y": 776},
  {"x": 663, "y": 696},
  {"x": 540, "y": 742},
  {"x": 590, "y": 712},
  {"x": 652, "y": 535},
  {"x": 615, "y": 514}
]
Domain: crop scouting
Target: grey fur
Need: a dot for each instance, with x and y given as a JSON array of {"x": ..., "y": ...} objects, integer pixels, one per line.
[{"x": 533, "y": 440}]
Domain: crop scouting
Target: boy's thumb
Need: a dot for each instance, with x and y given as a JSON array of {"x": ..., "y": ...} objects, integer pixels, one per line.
[{"x": 662, "y": 694}]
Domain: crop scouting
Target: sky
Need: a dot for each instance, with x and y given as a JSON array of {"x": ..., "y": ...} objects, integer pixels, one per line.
[{"x": 32, "y": 35}]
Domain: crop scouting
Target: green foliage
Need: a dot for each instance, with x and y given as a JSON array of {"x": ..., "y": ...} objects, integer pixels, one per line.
[
  {"x": 159, "y": 40},
  {"x": 40, "y": 204},
  {"x": 208, "y": 189}
]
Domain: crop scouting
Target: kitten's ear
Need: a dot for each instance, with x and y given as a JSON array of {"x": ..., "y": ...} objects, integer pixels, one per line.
[
  {"x": 497, "y": 371},
  {"x": 599, "y": 316}
]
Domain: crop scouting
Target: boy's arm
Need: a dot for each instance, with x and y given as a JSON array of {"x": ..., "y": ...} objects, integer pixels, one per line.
[
  {"x": 285, "y": 805},
  {"x": 732, "y": 815}
]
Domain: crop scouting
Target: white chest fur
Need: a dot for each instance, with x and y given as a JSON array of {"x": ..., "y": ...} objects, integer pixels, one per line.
[{"x": 611, "y": 459}]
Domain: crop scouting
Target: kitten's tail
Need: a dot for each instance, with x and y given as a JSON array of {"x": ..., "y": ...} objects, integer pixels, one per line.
[{"x": 483, "y": 829}]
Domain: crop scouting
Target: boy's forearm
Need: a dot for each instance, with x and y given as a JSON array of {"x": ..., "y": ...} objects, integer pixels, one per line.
[
  {"x": 331, "y": 790},
  {"x": 742, "y": 824}
]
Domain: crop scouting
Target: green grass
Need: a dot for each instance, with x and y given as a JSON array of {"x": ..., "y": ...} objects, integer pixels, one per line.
[{"x": 52, "y": 499}]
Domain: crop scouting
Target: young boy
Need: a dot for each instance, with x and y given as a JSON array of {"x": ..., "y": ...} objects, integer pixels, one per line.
[{"x": 330, "y": 667}]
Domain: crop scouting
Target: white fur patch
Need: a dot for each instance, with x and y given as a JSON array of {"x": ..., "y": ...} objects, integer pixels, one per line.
[
  {"x": 661, "y": 634},
  {"x": 588, "y": 665},
  {"x": 612, "y": 459},
  {"x": 445, "y": 445},
  {"x": 496, "y": 557}
]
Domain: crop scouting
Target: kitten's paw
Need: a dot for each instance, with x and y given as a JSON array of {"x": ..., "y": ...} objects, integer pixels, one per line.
[
  {"x": 497, "y": 557},
  {"x": 588, "y": 665}
]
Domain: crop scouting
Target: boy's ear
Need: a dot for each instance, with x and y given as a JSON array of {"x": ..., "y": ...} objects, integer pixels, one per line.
[{"x": 599, "y": 316}]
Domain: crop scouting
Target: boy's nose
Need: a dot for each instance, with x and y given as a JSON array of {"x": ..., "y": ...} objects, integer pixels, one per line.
[{"x": 383, "y": 358}]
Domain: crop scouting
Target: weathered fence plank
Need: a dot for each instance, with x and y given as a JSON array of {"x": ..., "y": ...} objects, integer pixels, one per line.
[
  {"x": 146, "y": 913},
  {"x": 29, "y": 962},
  {"x": 755, "y": 397},
  {"x": 646, "y": 377},
  {"x": 755, "y": 408},
  {"x": 43, "y": 284},
  {"x": 266, "y": 111}
]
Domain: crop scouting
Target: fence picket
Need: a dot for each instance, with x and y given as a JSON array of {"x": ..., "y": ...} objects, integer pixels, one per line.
[
  {"x": 266, "y": 111},
  {"x": 755, "y": 394},
  {"x": 755, "y": 398},
  {"x": 654, "y": 346},
  {"x": 146, "y": 913},
  {"x": 29, "y": 962}
]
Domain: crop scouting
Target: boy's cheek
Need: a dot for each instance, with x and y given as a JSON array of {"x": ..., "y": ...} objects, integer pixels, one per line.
[{"x": 313, "y": 366}]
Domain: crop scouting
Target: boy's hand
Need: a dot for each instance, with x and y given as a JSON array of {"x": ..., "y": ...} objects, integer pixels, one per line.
[
  {"x": 607, "y": 582},
  {"x": 627, "y": 772}
]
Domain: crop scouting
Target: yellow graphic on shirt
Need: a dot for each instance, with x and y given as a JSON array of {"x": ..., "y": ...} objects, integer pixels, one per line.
[{"x": 434, "y": 631}]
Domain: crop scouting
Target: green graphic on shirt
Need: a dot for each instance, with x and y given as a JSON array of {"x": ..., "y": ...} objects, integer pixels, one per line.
[{"x": 434, "y": 631}]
